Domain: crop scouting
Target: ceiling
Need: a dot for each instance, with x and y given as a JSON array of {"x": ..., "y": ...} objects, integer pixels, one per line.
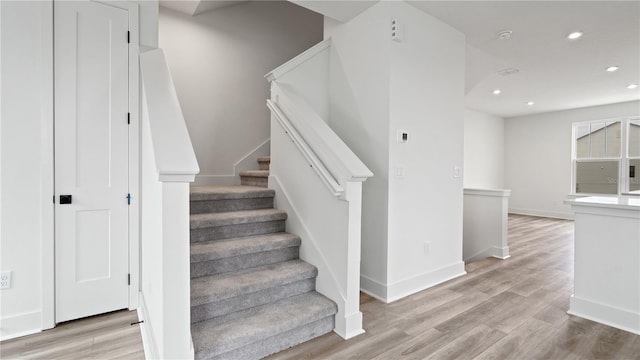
[{"x": 554, "y": 73}]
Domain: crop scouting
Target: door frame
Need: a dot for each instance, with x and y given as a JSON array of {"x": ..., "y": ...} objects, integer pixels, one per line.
[{"x": 48, "y": 249}]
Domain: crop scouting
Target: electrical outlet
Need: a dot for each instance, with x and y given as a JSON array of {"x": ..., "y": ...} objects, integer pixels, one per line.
[
  {"x": 5, "y": 280},
  {"x": 457, "y": 172}
]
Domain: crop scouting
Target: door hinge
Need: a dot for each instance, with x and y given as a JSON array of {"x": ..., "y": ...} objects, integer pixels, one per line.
[
  {"x": 128, "y": 279},
  {"x": 54, "y": 199},
  {"x": 128, "y": 118},
  {"x": 128, "y": 199},
  {"x": 128, "y": 37}
]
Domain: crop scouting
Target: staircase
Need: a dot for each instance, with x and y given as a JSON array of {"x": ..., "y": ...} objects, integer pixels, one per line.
[{"x": 251, "y": 296}]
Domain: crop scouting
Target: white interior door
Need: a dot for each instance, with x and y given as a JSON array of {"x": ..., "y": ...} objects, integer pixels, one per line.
[{"x": 91, "y": 158}]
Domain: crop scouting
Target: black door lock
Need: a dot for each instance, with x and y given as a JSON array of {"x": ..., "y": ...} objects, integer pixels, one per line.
[{"x": 65, "y": 199}]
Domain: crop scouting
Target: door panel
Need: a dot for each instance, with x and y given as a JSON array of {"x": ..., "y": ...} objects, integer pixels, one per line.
[{"x": 91, "y": 158}]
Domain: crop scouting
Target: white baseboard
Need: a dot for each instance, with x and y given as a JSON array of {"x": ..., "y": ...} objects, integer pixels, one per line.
[
  {"x": 373, "y": 288},
  {"x": 396, "y": 291},
  {"x": 403, "y": 288},
  {"x": 20, "y": 325},
  {"x": 605, "y": 314},
  {"x": 542, "y": 213},
  {"x": 501, "y": 253},
  {"x": 149, "y": 343}
]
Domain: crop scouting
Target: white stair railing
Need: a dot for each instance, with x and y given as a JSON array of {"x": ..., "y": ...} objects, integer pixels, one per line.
[
  {"x": 168, "y": 166},
  {"x": 318, "y": 181}
]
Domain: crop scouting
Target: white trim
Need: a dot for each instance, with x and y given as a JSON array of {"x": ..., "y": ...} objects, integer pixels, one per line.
[
  {"x": 297, "y": 61},
  {"x": 373, "y": 288},
  {"x": 47, "y": 320},
  {"x": 605, "y": 314},
  {"x": 412, "y": 285},
  {"x": 542, "y": 213},
  {"x": 134, "y": 155},
  {"x": 501, "y": 253},
  {"x": 250, "y": 160},
  {"x": 20, "y": 325},
  {"x": 149, "y": 343},
  {"x": 488, "y": 192}
]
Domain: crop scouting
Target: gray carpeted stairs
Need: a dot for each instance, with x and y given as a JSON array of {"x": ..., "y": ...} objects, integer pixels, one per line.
[{"x": 251, "y": 296}]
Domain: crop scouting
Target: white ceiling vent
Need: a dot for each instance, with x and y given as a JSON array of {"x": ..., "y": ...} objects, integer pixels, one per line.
[{"x": 509, "y": 71}]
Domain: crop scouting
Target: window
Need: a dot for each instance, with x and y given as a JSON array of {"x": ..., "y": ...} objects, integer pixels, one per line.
[{"x": 606, "y": 156}]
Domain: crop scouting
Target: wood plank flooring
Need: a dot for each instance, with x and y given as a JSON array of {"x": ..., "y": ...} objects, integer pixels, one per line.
[
  {"x": 502, "y": 309},
  {"x": 107, "y": 336}
]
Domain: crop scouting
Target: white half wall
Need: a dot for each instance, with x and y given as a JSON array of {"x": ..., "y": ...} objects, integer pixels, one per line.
[
  {"x": 483, "y": 150},
  {"x": 218, "y": 60},
  {"x": 538, "y": 157}
]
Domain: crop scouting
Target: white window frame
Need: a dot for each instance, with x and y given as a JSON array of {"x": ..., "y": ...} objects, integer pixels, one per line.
[{"x": 623, "y": 159}]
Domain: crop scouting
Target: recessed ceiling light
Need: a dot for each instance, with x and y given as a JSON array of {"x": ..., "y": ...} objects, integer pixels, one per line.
[
  {"x": 632, "y": 86},
  {"x": 612, "y": 68},
  {"x": 504, "y": 34},
  {"x": 530, "y": 103},
  {"x": 574, "y": 35},
  {"x": 497, "y": 92}
]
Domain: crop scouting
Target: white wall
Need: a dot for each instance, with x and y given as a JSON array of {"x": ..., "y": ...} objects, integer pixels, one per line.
[
  {"x": 483, "y": 150},
  {"x": 26, "y": 168},
  {"x": 538, "y": 157},
  {"x": 218, "y": 60},
  {"x": 425, "y": 204},
  {"x": 378, "y": 87},
  {"x": 359, "y": 115},
  {"x": 26, "y": 172}
]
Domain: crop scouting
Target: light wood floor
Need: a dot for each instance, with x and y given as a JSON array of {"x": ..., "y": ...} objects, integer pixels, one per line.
[
  {"x": 108, "y": 336},
  {"x": 502, "y": 309}
]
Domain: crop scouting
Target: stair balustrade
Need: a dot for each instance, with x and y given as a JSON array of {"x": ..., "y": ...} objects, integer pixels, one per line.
[
  {"x": 168, "y": 165},
  {"x": 318, "y": 181}
]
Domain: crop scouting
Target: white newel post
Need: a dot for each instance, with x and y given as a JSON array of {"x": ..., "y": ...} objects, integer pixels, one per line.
[
  {"x": 169, "y": 165},
  {"x": 353, "y": 316},
  {"x": 176, "y": 272}
]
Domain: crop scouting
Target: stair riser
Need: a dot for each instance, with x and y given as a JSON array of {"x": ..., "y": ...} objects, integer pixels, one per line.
[
  {"x": 217, "y": 206},
  {"x": 275, "y": 343},
  {"x": 224, "y": 310},
  {"x": 254, "y": 181},
  {"x": 238, "y": 230},
  {"x": 263, "y": 166},
  {"x": 247, "y": 261}
]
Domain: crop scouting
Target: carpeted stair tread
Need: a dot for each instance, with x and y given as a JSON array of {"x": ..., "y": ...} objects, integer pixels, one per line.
[
  {"x": 266, "y": 158},
  {"x": 232, "y": 284},
  {"x": 219, "y": 249},
  {"x": 215, "y": 192},
  {"x": 255, "y": 173},
  {"x": 198, "y": 221},
  {"x": 260, "y": 323}
]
